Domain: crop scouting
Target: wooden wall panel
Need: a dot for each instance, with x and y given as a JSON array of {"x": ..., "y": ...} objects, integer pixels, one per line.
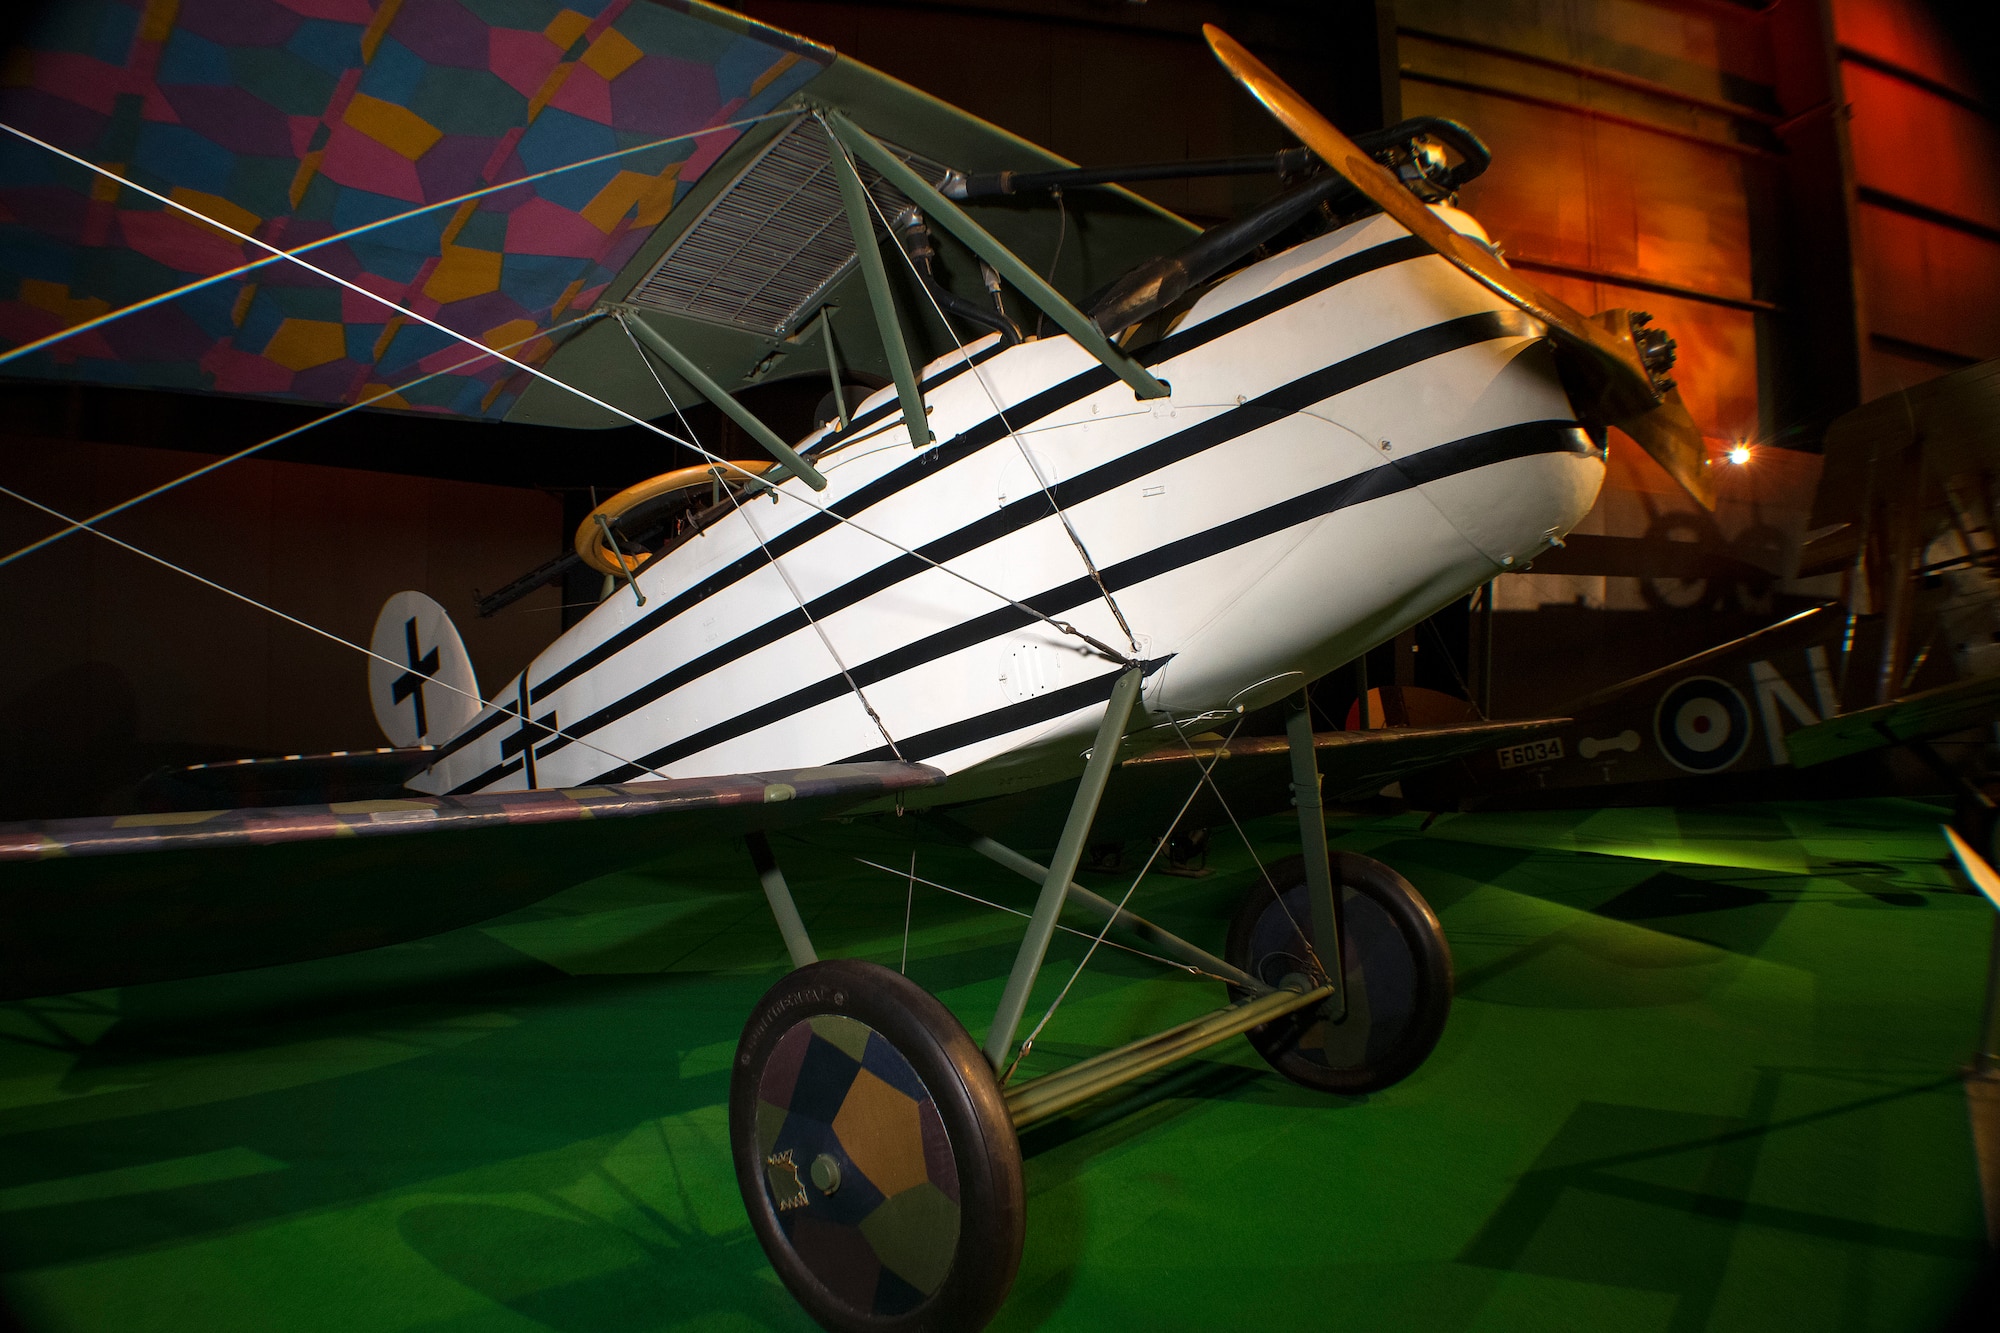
[
  {"x": 1926, "y": 287},
  {"x": 1570, "y": 190},
  {"x": 1923, "y": 148},
  {"x": 1622, "y": 175},
  {"x": 1707, "y": 51},
  {"x": 1926, "y": 177},
  {"x": 1904, "y": 33}
]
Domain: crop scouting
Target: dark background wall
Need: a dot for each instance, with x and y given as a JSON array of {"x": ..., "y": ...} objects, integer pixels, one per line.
[{"x": 117, "y": 665}]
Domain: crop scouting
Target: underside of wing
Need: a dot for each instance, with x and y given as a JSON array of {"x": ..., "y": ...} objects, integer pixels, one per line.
[
  {"x": 1250, "y": 777},
  {"x": 119, "y": 900},
  {"x": 502, "y": 171},
  {"x": 1915, "y": 717},
  {"x": 1353, "y": 764}
]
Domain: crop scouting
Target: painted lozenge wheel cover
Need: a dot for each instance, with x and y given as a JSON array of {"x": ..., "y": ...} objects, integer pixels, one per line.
[{"x": 857, "y": 1165}]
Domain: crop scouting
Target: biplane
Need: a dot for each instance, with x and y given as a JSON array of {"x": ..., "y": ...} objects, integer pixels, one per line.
[
  {"x": 1816, "y": 702},
  {"x": 1022, "y": 563}
]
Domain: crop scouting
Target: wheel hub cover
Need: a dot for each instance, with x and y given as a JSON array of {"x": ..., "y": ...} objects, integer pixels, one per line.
[{"x": 883, "y": 1240}]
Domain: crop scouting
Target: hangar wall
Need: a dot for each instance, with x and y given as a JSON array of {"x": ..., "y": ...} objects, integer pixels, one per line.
[
  {"x": 1803, "y": 192},
  {"x": 119, "y": 666},
  {"x": 1926, "y": 194}
]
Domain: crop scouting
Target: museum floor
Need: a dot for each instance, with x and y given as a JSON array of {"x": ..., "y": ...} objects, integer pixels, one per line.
[{"x": 1703, "y": 1072}]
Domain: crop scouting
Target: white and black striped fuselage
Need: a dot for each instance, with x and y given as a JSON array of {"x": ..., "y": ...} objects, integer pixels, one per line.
[{"x": 1357, "y": 434}]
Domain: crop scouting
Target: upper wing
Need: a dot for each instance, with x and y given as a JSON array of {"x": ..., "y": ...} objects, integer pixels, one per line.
[
  {"x": 1938, "y": 712},
  {"x": 119, "y": 900},
  {"x": 297, "y": 129}
]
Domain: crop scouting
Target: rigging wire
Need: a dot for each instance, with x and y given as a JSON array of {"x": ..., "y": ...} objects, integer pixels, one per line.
[
  {"x": 909, "y": 910},
  {"x": 979, "y": 376},
  {"x": 514, "y": 711},
  {"x": 1062, "y": 234},
  {"x": 1028, "y": 1043},
  {"x": 750, "y": 520},
  {"x": 185, "y": 289},
  {"x": 1304, "y": 936},
  {"x": 838, "y": 661},
  {"x": 1173, "y": 964},
  {"x": 825, "y": 510},
  {"x": 1430, "y": 623},
  {"x": 281, "y": 437}
]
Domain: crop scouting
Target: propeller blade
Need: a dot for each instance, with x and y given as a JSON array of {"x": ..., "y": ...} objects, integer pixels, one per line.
[
  {"x": 1669, "y": 434},
  {"x": 1630, "y": 400}
]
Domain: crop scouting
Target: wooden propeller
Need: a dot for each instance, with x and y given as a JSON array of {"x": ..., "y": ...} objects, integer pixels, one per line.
[{"x": 1628, "y": 398}]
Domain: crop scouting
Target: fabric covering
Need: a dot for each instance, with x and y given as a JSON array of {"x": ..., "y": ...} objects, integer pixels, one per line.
[
  {"x": 884, "y": 1237},
  {"x": 292, "y": 120}
]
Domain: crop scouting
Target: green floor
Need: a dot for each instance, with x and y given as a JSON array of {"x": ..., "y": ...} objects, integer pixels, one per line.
[{"x": 1702, "y": 1073}]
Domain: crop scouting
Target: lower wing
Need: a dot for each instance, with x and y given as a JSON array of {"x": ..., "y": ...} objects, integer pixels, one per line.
[
  {"x": 120, "y": 900},
  {"x": 1914, "y": 717}
]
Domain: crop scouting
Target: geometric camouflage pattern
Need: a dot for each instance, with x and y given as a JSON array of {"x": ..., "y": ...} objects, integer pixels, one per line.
[
  {"x": 412, "y": 815},
  {"x": 838, "y": 1095},
  {"x": 292, "y": 120}
]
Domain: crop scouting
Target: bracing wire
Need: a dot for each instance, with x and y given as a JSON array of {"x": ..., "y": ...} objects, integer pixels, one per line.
[
  {"x": 813, "y": 620},
  {"x": 1062, "y": 234},
  {"x": 99, "y": 321},
  {"x": 1173, "y": 964},
  {"x": 1452, "y": 663},
  {"x": 1028, "y": 1042},
  {"x": 514, "y": 711},
  {"x": 1304, "y": 936},
  {"x": 750, "y": 521},
  {"x": 827, "y": 511},
  {"x": 979, "y": 376},
  {"x": 280, "y": 438},
  {"x": 909, "y": 910}
]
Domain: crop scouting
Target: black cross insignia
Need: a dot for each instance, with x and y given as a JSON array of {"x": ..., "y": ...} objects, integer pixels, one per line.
[
  {"x": 410, "y": 685},
  {"x": 522, "y": 742}
]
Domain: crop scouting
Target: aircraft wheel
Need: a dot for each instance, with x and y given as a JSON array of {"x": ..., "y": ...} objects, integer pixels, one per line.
[
  {"x": 1398, "y": 973},
  {"x": 874, "y": 1153}
]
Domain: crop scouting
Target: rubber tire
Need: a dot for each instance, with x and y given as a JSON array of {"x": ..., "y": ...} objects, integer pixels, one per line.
[
  {"x": 984, "y": 1149},
  {"x": 1396, "y": 960}
]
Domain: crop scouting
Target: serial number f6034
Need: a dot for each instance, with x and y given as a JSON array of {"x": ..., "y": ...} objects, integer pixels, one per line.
[{"x": 1530, "y": 752}]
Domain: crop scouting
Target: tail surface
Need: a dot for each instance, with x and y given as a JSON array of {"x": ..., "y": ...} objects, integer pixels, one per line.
[{"x": 420, "y": 680}]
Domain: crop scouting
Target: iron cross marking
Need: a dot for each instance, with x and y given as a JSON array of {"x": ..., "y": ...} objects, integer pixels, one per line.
[
  {"x": 410, "y": 685},
  {"x": 528, "y": 735}
]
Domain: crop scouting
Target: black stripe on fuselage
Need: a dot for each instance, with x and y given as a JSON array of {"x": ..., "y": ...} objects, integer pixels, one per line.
[
  {"x": 893, "y": 406},
  {"x": 978, "y": 437},
  {"x": 1463, "y": 455},
  {"x": 471, "y": 734},
  {"x": 1041, "y": 708},
  {"x": 1256, "y": 413},
  {"x": 491, "y": 775}
]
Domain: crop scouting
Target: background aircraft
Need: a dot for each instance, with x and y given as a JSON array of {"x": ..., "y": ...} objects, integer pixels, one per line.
[{"x": 1818, "y": 701}]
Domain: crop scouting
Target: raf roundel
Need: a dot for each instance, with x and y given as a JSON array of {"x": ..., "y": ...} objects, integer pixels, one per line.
[{"x": 1702, "y": 725}]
